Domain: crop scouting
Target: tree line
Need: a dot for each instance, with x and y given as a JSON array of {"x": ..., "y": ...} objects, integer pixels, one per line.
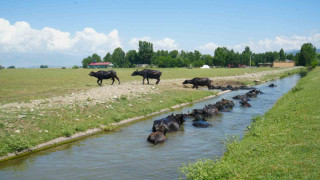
[{"x": 223, "y": 57}]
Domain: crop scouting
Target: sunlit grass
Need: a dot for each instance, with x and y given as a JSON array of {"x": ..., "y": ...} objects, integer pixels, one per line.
[
  {"x": 28, "y": 84},
  {"x": 282, "y": 144}
]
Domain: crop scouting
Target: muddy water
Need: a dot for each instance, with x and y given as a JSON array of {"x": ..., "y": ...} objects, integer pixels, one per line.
[{"x": 125, "y": 153}]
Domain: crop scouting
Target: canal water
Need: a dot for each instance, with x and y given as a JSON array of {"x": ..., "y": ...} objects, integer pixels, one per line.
[{"x": 126, "y": 154}]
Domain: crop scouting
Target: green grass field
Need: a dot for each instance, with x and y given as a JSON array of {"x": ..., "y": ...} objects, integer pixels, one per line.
[
  {"x": 20, "y": 85},
  {"x": 282, "y": 144}
]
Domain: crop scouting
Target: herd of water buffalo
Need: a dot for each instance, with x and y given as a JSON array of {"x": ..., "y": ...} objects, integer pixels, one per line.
[{"x": 174, "y": 122}]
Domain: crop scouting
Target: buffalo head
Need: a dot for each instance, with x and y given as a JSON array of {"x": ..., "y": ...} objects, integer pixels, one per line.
[
  {"x": 91, "y": 73},
  {"x": 135, "y": 73},
  {"x": 186, "y": 82}
]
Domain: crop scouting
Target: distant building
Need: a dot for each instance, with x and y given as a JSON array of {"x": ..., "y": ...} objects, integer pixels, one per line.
[
  {"x": 96, "y": 65},
  {"x": 286, "y": 63},
  {"x": 143, "y": 65},
  {"x": 265, "y": 64}
]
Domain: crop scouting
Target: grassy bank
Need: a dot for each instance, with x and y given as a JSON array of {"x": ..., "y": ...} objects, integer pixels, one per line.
[
  {"x": 21, "y": 85},
  {"x": 282, "y": 144},
  {"x": 24, "y": 128}
]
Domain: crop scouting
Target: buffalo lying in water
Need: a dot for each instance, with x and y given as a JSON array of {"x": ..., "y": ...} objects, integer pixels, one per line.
[
  {"x": 272, "y": 85},
  {"x": 207, "y": 111},
  {"x": 158, "y": 136},
  {"x": 224, "y": 105},
  {"x": 196, "y": 82},
  {"x": 253, "y": 93},
  {"x": 170, "y": 123},
  {"x": 244, "y": 103},
  {"x": 200, "y": 122}
]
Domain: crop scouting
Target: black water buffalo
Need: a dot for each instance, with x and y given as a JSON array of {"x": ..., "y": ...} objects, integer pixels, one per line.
[
  {"x": 200, "y": 122},
  {"x": 196, "y": 82},
  {"x": 148, "y": 73},
  {"x": 207, "y": 111},
  {"x": 253, "y": 93},
  {"x": 244, "y": 103},
  {"x": 170, "y": 123},
  {"x": 224, "y": 105},
  {"x": 158, "y": 136},
  {"x": 272, "y": 85},
  {"x": 105, "y": 75}
]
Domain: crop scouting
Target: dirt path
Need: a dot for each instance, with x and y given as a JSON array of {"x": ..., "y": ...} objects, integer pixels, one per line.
[{"x": 129, "y": 89}]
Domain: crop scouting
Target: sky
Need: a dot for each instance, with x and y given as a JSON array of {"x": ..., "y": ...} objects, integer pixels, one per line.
[{"x": 64, "y": 32}]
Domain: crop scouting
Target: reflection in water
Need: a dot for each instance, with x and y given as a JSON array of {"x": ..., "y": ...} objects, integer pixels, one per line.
[{"x": 126, "y": 154}]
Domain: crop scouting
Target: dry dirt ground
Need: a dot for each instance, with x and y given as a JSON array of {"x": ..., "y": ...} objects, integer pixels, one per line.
[{"x": 129, "y": 89}]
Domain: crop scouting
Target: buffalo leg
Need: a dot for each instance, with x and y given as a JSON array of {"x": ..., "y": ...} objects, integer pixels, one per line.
[
  {"x": 112, "y": 81},
  {"x": 193, "y": 86},
  {"x": 143, "y": 80},
  {"x": 158, "y": 81},
  {"x": 117, "y": 79},
  {"x": 98, "y": 82},
  {"x": 148, "y": 80}
]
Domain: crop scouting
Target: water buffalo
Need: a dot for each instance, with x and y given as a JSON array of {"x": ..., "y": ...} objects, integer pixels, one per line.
[
  {"x": 200, "y": 122},
  {"x": 170, "y": 123},
  {"x": 207, "y": 111},
  {"x": 148, "y": 73},
  {"x": 224, "y": 105},
  {"x": 253, "y": 93},
  {"x": 158, "y": 136},
  {"x": 196, "y": 82},
  {"x": 104, "y": 75},
  {"x": 244, "y": 103},
  {"x": 272, "y": 85}
]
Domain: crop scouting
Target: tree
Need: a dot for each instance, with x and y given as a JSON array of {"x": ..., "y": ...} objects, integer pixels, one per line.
[
  {"x": 145, "y": 52},
  {"x": 87, "y": 61},
  {"x": 132, "y": 57},
  {"x": 107, "y": 58},
  {"x": 282, "y": 55},
  {"x": 173, "y": 53},
  {"x": 1, "y": 67},
  {"x": 43, "y": 66},
  {"x": 290, "y": 56},
  {"x": 11, "y": 67},
  {"x": 245, "y": 60},
  {"x": 220, "y": 56},
  {"x": 307, "y": 54},
  {"x": 96, "y": 57},
  {"x": 118, "y": 57}
]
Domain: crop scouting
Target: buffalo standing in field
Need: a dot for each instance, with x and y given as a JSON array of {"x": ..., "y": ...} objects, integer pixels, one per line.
[
  {"x": 158, "y": 136},
  {"x": 105, "y": 75},
  {"x": 148, "y": 73},
  {"x": 170, "y": 123},
  {"x": 196, "y": 82}
]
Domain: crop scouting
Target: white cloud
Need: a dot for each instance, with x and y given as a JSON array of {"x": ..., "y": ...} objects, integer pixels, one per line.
[
  {"x": 287, "y": 43},
  {"x": 21, "y": 37},
  {"x": 208, "y": 48},
  {"x": 162, "y": 44}
]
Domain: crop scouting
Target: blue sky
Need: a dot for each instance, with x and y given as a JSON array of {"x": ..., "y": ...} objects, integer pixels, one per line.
[{"x": 60, "y": 26}]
